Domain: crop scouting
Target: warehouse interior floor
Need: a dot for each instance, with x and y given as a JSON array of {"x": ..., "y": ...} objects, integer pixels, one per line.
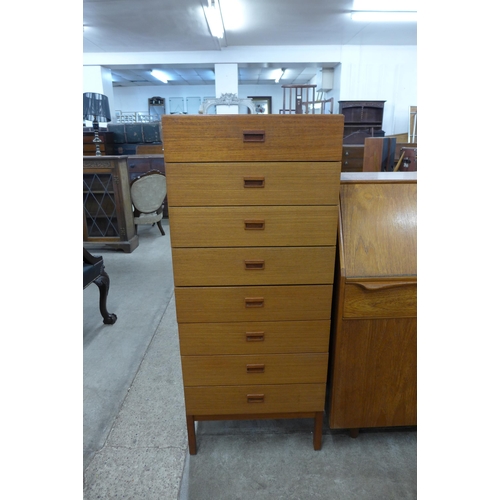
[{"x": 134, "y": 429}]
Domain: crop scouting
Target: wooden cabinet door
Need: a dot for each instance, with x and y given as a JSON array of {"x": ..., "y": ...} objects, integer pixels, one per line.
[{"x": 375, "y": 374}]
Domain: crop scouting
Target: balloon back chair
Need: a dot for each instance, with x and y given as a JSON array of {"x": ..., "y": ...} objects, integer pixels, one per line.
[{"x": 148, "y": 194}]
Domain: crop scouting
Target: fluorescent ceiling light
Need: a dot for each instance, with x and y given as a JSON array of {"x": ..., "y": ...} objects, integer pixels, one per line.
[
  {"x": 384, "y": 16},
  {"x": 159, "y": 75},
  {"x": 384, "y": 10},
  {"x": 279, "y": 75},
  {"x": 235, "y": 15},
  {"x": 385, "y": 5},
  {"x": 214, "y": 18}
]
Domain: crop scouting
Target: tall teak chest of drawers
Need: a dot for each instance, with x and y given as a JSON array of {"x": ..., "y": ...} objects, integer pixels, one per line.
[{"x": 253, "y": 206}]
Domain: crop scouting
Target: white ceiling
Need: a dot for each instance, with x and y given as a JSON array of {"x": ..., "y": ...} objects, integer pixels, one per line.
[{"x": 149, "y": 26}]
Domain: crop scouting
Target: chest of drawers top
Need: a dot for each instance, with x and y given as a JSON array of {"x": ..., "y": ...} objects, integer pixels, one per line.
[{"x": 223, "y": 138}]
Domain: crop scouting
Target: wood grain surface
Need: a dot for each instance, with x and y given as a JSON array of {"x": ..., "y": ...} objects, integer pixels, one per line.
[
  {"x": 254, "y": 337},
  {"x": 253, "y": 183},
  {"x": 232, "y": 226},
  {"x": 209, "y": 138},
  {"x": 253, "y": 266},
  {"x": 379, "y": 225}
]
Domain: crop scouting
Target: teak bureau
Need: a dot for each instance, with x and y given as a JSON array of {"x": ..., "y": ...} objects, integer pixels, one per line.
[
  {"x": 373, "y": 379},
  {"x": 253, "y": 206}
]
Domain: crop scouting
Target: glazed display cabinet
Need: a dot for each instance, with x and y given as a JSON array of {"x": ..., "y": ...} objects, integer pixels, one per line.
[{"x": 107, "y": 207}]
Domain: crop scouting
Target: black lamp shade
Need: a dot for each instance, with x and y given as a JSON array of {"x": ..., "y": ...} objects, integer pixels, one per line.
[{"x": 96, "y": 107}]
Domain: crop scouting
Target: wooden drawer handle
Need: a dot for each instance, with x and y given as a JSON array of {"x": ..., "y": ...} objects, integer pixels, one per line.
[
  {"x": 254, "y": 265},
  {"x": 254, "y": 136},
  {"x": 255, "y": 398},
  {"x": 254, "y": 182},
  {"x": 254, "y": 302},
  {"x": 254, "y": 336},
  {"x": 255, "y": 224},
  {"x": 257, "y": 368},
  {"x": 370, "y": 287}
]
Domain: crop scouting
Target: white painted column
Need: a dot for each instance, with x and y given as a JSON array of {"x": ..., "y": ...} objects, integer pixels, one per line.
[
  {"x": 226, "y": 82},
  {"x": 98, "y": 79}
]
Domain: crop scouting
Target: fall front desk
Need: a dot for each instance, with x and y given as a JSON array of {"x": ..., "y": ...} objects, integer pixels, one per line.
[{"x": 373, "y": 354}]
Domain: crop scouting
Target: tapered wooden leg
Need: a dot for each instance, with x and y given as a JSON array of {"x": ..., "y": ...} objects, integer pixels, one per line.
[
  {"x": 318, "y": 430},
  {"x": 354, "y": 433},
  {"x": 191, "y": 434}
]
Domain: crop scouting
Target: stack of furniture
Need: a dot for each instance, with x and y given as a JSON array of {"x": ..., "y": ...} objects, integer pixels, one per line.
[
  {"x": 107, "y": 206},
  {"x": 132, "y": 138},
  {"x": 379, "y": 154},
  {"x": 362, "y": 119},
  {"x": 253, "y": 205},
  {"x": 352, "y": 157},
  {"x": 373, "y": 376},
  {"x": 125, "y": 139},
  {"x": 106, "y": 146}
]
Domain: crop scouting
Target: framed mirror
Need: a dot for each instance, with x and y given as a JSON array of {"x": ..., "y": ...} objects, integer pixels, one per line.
[
  {"x": 156, "y": 108},
  {"x": 263, "y": 104}
]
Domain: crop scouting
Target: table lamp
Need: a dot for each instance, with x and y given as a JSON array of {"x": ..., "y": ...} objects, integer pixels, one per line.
[{"x": 96, "y": 109}]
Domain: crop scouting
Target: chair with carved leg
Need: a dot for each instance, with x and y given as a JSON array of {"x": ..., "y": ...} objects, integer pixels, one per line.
[{"x": 93, "y": 272}]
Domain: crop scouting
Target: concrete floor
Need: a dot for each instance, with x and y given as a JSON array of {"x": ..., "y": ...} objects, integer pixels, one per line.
[{"x": 134, "y": 435}]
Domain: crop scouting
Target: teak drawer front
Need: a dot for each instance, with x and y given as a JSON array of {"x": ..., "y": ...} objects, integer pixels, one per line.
[
  {"x": 254, "y": 369},
  {"x": 253, "y": 266},
  {"x": 252, "y": 137},
  {"x": 379, "y": 299},
  {"x": 253, "y": 226},
  {"x": 227, "y": 400},
  {"x": 253, "y": 303},
  {"x": 254, "y": 337},
  {"x": 219, "y": 184}
]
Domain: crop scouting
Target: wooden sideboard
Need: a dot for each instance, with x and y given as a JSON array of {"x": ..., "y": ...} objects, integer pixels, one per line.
[
  {"x": 373, "y": 371},
  {"x": 253, "y": 205},
  {"x": 107, "y": 208}
]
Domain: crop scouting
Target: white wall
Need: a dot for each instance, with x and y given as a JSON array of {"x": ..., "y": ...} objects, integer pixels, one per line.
[
  {"x": 386, "y": 73},
  {"x": 382, "y": 73},
  {"x": 135, "y": 99}
]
